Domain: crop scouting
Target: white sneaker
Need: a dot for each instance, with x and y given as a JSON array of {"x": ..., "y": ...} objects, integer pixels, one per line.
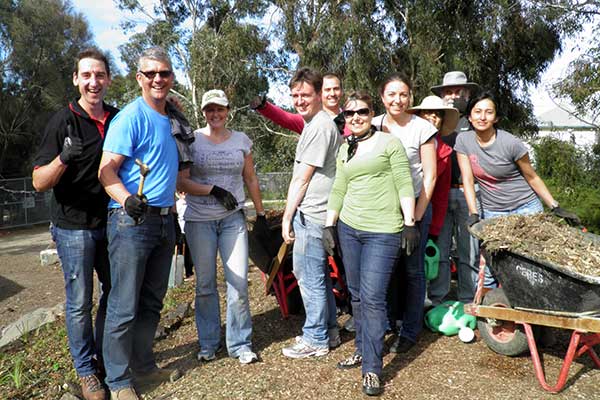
[
  {"x": 247, "y": 357},
  {"x": 303, "y": 350}
]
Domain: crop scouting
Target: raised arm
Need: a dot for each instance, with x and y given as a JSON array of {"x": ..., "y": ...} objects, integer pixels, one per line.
[{"x": 285, "y": 119}]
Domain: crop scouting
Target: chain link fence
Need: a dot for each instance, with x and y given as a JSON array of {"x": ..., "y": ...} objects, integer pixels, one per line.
[{"x": 21, "y": 205}]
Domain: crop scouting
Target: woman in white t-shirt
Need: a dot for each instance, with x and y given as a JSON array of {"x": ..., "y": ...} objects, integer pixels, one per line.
[
  {"x": 500, "y": 164},
  {"x": 215, "y": 221},
  {"x": 407, "y": 288}
]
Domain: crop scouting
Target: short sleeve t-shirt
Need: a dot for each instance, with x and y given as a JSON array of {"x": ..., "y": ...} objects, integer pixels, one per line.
[
  {"x": 501, "y": 184},
  {"x": 318, "y": 146},
  {"x": 412, "y": 135},
  {"x": 221, "y": 165},
  {"x": 140, "y": 132}
]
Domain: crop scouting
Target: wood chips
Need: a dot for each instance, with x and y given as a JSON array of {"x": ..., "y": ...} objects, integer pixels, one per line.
[{"x": 544, "y": 237}]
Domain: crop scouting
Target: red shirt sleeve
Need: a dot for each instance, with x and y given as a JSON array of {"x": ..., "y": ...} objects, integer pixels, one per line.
[
  {"x": 287, "y": 120},
  {"x": 441, "y": 192}
]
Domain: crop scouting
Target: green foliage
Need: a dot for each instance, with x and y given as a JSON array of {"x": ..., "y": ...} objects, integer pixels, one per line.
[{"x": 572, "y": 176}]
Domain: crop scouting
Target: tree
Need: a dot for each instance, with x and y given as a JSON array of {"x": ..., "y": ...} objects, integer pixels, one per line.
[{"x": 39, "y": 41}]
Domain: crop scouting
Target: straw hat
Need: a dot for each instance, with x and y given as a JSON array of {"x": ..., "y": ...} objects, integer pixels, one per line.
[
  {"x": 435, "y": 103},
  {"x": 455, "y": 78}
]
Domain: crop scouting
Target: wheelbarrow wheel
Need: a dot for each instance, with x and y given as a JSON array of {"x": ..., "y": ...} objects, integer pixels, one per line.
[{"x": 503, "y": 337}]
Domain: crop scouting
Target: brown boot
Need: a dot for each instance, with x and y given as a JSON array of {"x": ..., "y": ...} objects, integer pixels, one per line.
[
  {"x": 124, "y": 394},
  {"x": 92, "y": 388},
  {"x": 157, "y": 376}
]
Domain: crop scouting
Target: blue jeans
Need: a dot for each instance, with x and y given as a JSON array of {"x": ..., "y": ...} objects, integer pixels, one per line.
[
  {"x": 312, "y": 272},
  {"x": 467, "y": 246},
  {"x": 230, "y": 237},
  {"x": 80, "y": 252},
  {"x": 140, "y": 262},
  {"x": 532, "y": 207},
  {"x": 369, "y": 259}
]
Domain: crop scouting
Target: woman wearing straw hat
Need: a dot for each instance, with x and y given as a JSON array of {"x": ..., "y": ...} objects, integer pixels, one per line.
[{"x": 445, "y": 119}]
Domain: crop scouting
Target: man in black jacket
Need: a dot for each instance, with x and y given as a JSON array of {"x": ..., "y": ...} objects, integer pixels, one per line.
[{"x": 67, "y": 162}]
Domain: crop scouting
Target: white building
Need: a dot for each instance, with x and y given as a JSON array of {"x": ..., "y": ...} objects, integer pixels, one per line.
[{"x": 559, "y": 124}]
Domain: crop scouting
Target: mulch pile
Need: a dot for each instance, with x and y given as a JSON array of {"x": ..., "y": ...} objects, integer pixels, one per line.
[{"x": 547, "y": 238}]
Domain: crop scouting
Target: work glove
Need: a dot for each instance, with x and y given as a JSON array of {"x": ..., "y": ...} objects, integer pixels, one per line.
[
  {"x": 72, "y": 146},
  {"x": 258, "y": 102},
  {"x": 136, "y": 206},
  {"x": 261, "y": 230},
  {"x": 410, "y": 239},
  {"x": 330, "y": 240},
  {"x": 472, "y": 219},
  {"x": 224, "y": 197},
  {"x": 570, "y": 217}
]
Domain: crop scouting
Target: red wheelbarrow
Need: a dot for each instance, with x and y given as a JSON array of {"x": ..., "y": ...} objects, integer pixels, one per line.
[
  {"x": 274, "y": 259},
  {"x": 536, "y": 293}
]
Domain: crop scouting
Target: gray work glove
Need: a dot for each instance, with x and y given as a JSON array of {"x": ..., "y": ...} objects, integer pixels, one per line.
[
  {"x": 224, "y": 197},
  {"x": 570, "y": 217},
  {"x": 72, "y": 146},
  {"x": 410, "y": 239},
  {"x": 330, "y": 240}
]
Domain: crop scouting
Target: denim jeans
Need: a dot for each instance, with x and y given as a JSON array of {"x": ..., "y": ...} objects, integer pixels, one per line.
[
  {"x": 140, "y": 262},
  {"x": 532, "y": 207},
  {"x": 230, "y": 237},
  {"x": 369, "y": 259},
  {"x": 312, "y": 272},
  {"x": 80, "y": 252}
]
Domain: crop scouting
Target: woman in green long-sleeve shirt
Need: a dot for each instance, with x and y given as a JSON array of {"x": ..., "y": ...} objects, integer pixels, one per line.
[{"x": 372, "y": 201}]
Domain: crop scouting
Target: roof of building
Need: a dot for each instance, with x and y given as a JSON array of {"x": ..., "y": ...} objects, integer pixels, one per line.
[{"x": 560, "y": 118}]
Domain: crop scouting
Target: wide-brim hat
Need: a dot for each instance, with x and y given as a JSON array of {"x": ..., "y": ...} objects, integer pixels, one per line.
[
  {"x": 435, "y": 103},
  {"x": 214, "y": 96},
  {"x": 455, "y": 78}
]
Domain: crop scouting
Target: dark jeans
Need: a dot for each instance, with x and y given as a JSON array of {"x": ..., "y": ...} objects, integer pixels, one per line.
[
  {"x": 369, "y": 259},
  {"x": 140, "y": 261},
  {"x": 81, "y": 252}
]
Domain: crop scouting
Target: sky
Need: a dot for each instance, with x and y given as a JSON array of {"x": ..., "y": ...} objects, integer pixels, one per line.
[{"x": 103, "y": 18}]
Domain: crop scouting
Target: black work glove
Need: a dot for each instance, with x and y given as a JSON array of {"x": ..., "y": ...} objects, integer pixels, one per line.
[
  {"x": 258, "y": 102},
  {"x": 136, "y": 206},
  {"x": 224, "y": 197},
  {"x": 330, "y": 240},
  {"x": 410, "y": 239},
  {"x": 261, "y": 230},
  {"x": 72, "y": 146},
  {"x": 472, "y": 219},
  {"x": 570, "y": 217},
  {"x": 340, "y": 122}
]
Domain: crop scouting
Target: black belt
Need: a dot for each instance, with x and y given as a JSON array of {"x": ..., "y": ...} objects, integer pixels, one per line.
[
  {"x": 457, "y": 185},
  {"x": 158, "y": 210}
]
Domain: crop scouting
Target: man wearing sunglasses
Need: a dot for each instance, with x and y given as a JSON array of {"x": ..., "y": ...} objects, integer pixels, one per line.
[
  {"x": 141, "y": 232},
  {"x": 304, "y": 216},
  {"x": 67, "y": 162}
]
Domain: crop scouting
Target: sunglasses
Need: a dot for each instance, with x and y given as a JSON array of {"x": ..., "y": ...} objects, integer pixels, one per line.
[
  {"x": 151, "y": 74},
  {"x": 362, "y": 112}
]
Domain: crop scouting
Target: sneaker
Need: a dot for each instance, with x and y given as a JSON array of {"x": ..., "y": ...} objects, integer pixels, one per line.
[
  {"x": 304, "y": 350},
  {"x": 355, "y": 360},
  {"x": 157, "y": 376},
  {"x": 247, "y": 357},
  {"x": 349, "y": 324},
  {"x": 92, "y": 388},
  {"x": 127, "y": 393},
  {"x": 401, "y": 345},
  {"x": 371, "y": 384},
  {"x": 334, "y": 338},
  {"x": 208, "y": 354}
]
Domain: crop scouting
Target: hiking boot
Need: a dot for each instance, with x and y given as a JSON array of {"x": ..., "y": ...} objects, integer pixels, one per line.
[
  {"x": 157, "y": 376},
  {"x": 349, "y": 325},
  {"x": 247, "y": 357},
  {"x": 371, "y": 384},
  {"x": 334, "y": 338},
  {"x": 127, "y": 393},
  {"x": 92, "y": 388},
  {"x": 401, "y": 345},
  {"x": 355, "y": 360},
  {"x": 302, "y": 349}
]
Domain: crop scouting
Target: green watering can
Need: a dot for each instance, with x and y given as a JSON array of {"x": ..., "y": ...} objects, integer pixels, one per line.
[
  {"x": 432, "y": 260},
  {"x": 449, "y": 319}
]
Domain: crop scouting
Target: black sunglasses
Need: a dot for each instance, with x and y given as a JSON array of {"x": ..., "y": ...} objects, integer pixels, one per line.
[
  {"x": 363, "y": 112},
  {"x": 151, "y": 74}
]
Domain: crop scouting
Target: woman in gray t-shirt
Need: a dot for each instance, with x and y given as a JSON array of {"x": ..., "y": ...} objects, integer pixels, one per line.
[
  {"x": 214, "y": 220},
  {"x": 500, "y": 164}
]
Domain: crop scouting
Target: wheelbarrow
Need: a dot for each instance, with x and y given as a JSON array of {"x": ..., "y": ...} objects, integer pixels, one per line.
[
  {"x": 536, "y": 293},
  {"x": 274, "y": 259}
]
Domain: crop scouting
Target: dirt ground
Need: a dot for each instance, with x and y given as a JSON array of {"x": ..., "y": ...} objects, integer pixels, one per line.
[{"x": 437, "y": 368}]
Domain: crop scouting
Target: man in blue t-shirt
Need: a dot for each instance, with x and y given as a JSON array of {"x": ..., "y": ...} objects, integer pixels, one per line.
[{"x": 141, "y": 233}]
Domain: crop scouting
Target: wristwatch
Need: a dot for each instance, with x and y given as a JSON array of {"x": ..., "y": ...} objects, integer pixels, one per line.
[{"x": 261, "y": 214}]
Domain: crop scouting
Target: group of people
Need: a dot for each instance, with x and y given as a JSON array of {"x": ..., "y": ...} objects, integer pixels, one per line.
[{"x": 370, "y": 188}]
